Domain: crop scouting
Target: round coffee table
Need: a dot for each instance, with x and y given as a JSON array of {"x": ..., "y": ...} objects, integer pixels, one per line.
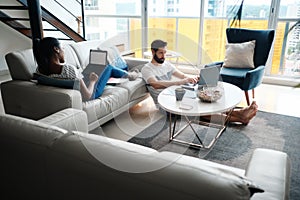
[{"x": 192, "y": 106}]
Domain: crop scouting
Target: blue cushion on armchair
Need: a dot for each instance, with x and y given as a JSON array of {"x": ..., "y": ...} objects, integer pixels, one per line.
[
  {"x": 240, "y": 72},
  {"x": 239, "y": 75}
]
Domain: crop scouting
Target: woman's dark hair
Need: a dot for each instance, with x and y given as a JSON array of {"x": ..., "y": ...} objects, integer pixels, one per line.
[
  {"x": 156, "y": 44},
  {"x": 44, "y": 52}
]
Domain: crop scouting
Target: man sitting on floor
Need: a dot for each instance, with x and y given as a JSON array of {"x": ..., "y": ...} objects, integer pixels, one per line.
[{"x": 158, "y": 73}]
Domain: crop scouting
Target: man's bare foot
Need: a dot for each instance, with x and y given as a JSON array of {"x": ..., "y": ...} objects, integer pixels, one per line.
[
  {"x": 254, "y": 105},
  {"x": 246, "y": 114}
]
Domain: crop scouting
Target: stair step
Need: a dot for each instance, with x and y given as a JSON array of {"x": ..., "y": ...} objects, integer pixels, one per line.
[
  {"x": 13, "y": 8},
  {"x": 69, "y": 39},
  {"x": 13, "y": 19},
  {"x": 22, "y": 28}
]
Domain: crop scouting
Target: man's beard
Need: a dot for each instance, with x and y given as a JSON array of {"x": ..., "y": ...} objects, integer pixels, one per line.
[{"x": 159, "y": 60}]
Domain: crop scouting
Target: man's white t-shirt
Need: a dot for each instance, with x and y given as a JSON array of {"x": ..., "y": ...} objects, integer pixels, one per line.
[{"x": 160, "y": 72}]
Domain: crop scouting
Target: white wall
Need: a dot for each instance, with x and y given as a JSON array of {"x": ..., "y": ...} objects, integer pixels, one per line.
[{"x": 11, "y": 40}]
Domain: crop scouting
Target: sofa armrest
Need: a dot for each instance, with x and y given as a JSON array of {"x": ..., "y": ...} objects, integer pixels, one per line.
[
  {"x": 254, "y": 77},
  {"x": 30, "y": 100},
  {"x": 69, "y": 119},
  {"x": 135, "y": 62},
  {"x": 270, "y": 169}
]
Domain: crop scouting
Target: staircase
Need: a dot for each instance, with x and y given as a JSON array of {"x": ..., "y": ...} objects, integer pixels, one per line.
[{"x": 16, "y": 16}]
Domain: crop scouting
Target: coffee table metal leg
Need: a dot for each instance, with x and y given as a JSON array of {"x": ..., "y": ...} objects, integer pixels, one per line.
[
  {"x": 172, "y": 131},
  {"x": 190, "y": 124},
  {"x": 170, "y": 127},
  {"x": 221, "y": 128}
]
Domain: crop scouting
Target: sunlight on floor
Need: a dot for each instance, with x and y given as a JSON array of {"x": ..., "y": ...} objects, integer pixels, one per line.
[{"x": 130, "y": 123}]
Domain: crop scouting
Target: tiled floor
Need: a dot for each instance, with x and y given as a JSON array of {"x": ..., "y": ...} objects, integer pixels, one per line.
[{"x": 271, "y": 98}]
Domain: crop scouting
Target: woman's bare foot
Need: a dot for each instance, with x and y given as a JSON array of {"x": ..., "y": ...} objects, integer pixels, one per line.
[{"x": 246, "y": 114}]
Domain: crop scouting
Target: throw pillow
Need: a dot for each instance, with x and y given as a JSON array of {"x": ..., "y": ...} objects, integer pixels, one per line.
[
  {"x": 239, "y": 55},
  {"x": 114, "y": 58},
  {"x": 62, "y": 83}
]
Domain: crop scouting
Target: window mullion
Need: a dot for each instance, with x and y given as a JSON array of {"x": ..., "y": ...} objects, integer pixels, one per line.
[
  {"x": 200, "y": 37},
  {"x": 144, "y": 19}
]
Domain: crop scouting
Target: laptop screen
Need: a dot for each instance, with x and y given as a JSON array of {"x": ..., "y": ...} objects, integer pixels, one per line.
[
  {"x": 209, "y": 76},
  {"x": 98, "y": 57}
]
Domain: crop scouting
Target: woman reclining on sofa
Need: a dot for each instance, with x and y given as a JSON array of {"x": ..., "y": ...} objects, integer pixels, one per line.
[{"x": 51, "y": 62}]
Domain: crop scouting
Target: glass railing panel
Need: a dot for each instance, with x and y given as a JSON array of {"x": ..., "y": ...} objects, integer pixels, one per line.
[
  {"x": 255, "y": 23},
  {"x": 182, "y": 35},
  {"x": 162, "y": 28},
  {"x": 286, "y": 59},
  {"x": 188, "y": 40},
  {"x": 135, "y": 37},
  {"x": 213, "y": 40},
  {"x": 277, "y": 52}
]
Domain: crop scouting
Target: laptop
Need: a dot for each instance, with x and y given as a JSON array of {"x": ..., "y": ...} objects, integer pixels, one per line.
[
  {"x": 97, "y": 62},
  {"x": 209, "y": 76}
]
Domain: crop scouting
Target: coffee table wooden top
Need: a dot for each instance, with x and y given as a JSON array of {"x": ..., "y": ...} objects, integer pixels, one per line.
[{"x": 232, "y": 96}]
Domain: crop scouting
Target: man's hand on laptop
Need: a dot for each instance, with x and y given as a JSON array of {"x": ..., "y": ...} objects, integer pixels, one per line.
[{"x": 192, "y": 80}]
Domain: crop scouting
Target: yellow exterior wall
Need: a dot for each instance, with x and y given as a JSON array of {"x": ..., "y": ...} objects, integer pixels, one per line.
[{"x": 187, "y": 35}]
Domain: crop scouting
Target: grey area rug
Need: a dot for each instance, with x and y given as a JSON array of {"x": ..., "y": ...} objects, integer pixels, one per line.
[{"x": 234, "y": 147}]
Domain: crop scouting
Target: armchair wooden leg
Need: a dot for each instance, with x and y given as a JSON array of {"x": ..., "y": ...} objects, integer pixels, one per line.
[
  {"x": 253, "y": 94},
  {"x": 247, "y": 97}
]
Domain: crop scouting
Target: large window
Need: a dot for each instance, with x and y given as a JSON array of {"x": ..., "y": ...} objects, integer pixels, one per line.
[
  {"x": 180, "y": 29},
  {"x": 286, "y": 59},
  {"x": 218, "y": 16},
  {"x": 196, "y": 28},
  {"x": 115, "y": 20}
]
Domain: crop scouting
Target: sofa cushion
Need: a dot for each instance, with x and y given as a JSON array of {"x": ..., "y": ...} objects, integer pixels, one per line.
[
  {"x": 29, "y": 132},
  {"x": 82, "y": 50},
  {"x": 226, "y": 183},
  {"x": 111, "y": 100},
  {"x": 114, "y": 57},
  {"x": 136, "y": 88},
  {"x": 140, "y": 171},
  {"x": 272, "y": 170},
  {"x": 21, "y": 64},
  {"x": 71, "y": 56},
  {"x": 23, "y": 147},
  {"x": 69, "y": 119},
  {"x": 35, "y": 101}
]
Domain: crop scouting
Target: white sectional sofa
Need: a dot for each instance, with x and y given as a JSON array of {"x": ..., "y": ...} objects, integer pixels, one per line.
[
  {"x": 47, "y": 159},
  {"x": 47, "y": 153},
  {"x": 24, "y": 97}
]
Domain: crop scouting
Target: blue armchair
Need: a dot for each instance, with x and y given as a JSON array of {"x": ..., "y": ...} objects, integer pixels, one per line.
[{"x": 247, "y": 78}]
